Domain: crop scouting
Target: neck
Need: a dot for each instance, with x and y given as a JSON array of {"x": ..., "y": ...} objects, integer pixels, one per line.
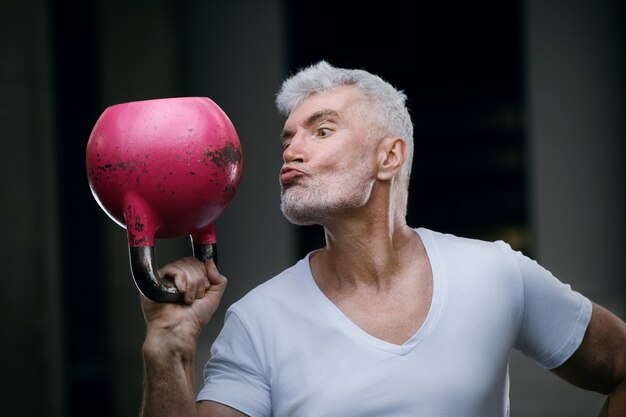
[{"x": 362, "y": 251}]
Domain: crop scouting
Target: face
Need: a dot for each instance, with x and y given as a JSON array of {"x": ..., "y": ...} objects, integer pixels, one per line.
[{"x": 329, "y": 159}]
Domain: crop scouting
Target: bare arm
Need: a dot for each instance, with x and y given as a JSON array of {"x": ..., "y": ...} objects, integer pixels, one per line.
[
  {"x": 599, "y": 363},
  {"x": 172, "y": 332}
]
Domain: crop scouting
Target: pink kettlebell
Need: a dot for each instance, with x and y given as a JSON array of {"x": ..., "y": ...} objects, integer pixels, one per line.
[{"x": 164, "y": 168}]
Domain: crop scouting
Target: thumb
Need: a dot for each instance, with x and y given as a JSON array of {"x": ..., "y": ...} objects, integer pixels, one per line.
[{"x": 216, "y": 280}]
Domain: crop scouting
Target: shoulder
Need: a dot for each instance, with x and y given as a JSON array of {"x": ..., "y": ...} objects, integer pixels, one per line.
[
  {"x": 466, "y": 248},
  {"x": 478, "y": 266},
  {"x": 288, "y": 285}
]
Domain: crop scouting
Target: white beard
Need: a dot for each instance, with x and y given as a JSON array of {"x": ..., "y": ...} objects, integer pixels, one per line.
[{"x": 322, "y": 196}]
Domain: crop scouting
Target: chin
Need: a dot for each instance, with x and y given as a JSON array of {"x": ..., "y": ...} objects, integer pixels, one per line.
[{"x": 298, "y": 217}]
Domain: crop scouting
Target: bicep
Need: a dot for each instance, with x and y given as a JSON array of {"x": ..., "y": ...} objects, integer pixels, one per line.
[
  {"x": 215, "y": 409},
  {"x": 599, "y": 363}
]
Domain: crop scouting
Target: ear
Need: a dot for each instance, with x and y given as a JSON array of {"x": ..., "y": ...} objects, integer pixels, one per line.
[{"x": 392, "y": 153}]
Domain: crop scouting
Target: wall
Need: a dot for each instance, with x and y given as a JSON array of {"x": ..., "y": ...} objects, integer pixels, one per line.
[{"x": 575, "y": 107}]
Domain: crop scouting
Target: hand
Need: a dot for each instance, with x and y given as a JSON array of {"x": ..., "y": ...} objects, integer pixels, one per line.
[{"x": 202, "y": 286}]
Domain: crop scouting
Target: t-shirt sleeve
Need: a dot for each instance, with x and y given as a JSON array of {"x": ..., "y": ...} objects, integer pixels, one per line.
[
  {"x": 555, "y": 316},
  {"x": 233, "y": 375}
]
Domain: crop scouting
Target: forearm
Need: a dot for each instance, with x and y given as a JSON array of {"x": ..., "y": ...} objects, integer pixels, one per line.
[
  {"x": 169, "y": 387},
  {"x": 615, "y": 404}
]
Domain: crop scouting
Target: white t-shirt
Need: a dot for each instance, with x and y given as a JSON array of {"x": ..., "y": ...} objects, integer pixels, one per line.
[{"x": 287, "y": 350}]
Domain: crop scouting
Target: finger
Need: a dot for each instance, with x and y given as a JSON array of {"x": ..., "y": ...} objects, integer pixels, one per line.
[
  {"x": 190, "y": 294},
  {"x": 215, "y": 278},
  {"x": 202, "y": 286},
  {"x": 188, "y": 275},
  {"x": 195, "y": 277},
  {"x": 176, "y": 274}
]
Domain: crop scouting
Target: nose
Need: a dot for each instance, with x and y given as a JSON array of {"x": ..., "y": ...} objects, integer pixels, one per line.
[{"x": 295, "y": 150}]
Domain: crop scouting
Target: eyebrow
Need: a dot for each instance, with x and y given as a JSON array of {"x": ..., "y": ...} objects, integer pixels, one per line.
[{"x": 311, "y": 120}]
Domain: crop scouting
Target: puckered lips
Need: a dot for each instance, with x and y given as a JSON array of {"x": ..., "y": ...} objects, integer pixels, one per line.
[{"x": 289, "y": 174}]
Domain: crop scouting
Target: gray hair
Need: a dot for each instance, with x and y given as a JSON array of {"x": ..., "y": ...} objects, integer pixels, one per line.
[{"x": 388, "y": 102}]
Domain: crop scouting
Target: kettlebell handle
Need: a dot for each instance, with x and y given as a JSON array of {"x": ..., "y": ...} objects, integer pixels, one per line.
[{"x": 143, "y": 267}]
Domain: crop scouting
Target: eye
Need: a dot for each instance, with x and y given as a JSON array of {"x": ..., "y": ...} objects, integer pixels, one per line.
[{"x": 323, "y": 131}]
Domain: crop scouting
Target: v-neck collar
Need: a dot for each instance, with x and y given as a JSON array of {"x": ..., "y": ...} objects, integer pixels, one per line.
[{"x": 332, "y": 312}]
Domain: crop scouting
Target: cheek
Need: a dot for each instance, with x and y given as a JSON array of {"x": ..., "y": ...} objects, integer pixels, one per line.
[
  {"x": 354, "y": 159},
  {"x": 330, "y": 159},
  {"x": 364, "y": 164},
  {"x": 355, "y": 172}
]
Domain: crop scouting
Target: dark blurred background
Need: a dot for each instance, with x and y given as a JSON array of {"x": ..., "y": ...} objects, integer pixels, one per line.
[{"x": 519, "y": 126}]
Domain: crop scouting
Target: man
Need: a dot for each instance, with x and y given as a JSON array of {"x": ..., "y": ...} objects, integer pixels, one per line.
[{"x": 385, "y": 320}]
